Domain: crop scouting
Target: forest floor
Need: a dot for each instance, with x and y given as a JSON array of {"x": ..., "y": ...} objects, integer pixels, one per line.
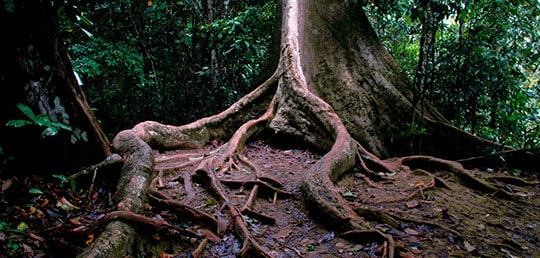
[{"x": 54, "y": 216}]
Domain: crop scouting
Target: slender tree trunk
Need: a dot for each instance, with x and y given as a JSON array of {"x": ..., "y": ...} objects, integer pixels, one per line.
[{"x": 423, "y": 80}]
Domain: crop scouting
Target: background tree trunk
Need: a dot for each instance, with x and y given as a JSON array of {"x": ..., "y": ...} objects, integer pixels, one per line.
[{"x": 36, "y": 71}]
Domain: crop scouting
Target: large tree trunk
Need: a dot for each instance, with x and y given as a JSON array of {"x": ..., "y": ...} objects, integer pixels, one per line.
[
  {"x": 36, "y": 71},
  {"x": 346, "y": 65},
  {"x": 335, "y": 89}
]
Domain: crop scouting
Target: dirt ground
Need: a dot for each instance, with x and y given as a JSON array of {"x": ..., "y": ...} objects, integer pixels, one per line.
[{"x": 452, "y": 219}]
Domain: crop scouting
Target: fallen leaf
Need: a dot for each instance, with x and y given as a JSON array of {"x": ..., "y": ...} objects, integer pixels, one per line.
[
  {"x": 412, "y": 204},
  {"x": 356, "y": 248},
  {"x": 75, "y": 221},
  {"x": 165, "y": 255},
  {"x": 416, "y": 251},
  {"x": 283, "y": 234},
  {"x": 66, "y": 205},
  {"x": 222, "y": 223},
  {"x": 6, "y": 184},
  {"x": 90, "y": 239},
  {"x": 34, "y": 190},
  {"x": 412, "y": 232},
  {"x": 210, "y": 202},
  {"x": 480, "y": 227},
  {"x": 44, "y": 202},
  {"x": 327, "y": 237},
  {"x": 522, "y": 194},
  {"x": 28, "y": 250},
  {"x": 22, "y": 226},
  {"x": 468, "y": 247},
  {"x": 35, "y": 237},
  {"x": 340, "y": 245},
  {"x": 211, "y": 236},
  {"x": 406, "y": 255}
]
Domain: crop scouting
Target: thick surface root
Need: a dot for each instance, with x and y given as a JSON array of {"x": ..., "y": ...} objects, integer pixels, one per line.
[
  {"x": 423, "y": 208},
  {"x": 246, "y": 198},
  {"x": 270, "y": 202}
]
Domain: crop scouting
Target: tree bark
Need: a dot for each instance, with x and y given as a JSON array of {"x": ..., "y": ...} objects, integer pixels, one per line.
[
  {"x": 335, "y": 89},
  {"x": 342, "y": 53},
  {"x": 37, "y": 72}
]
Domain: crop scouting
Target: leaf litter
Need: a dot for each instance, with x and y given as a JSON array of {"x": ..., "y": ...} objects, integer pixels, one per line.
[{"x": 40, "y": 217}]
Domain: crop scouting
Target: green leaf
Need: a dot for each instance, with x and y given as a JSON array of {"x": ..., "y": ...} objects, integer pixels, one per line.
[
  {"x": 12, "y": 246},
  {"x": 34, "y": 190},
  {"x": 311, "y": 247},
  {"x": 42, "y": 120},
  {"x": 27, "y": 111},
  {"x": 22, "y": 227},
  {"x": 84, "y": 136},
  {"x": 85, "y": 20},
  {"x": 90, "y": 35},
  {"x": 18, "y": 123},
  {"x": 63, "y": 179},
  {"x": 73, "y": 185},
  {"x": 61, "y": 126},
  {"x": 4, "y": 226},
  {"x": 49, "y": 131}
]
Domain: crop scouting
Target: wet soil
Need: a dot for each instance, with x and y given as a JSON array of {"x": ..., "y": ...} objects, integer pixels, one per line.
[
  {"x": 449, "y": 220},
  {"x": 453, "y": 219}
]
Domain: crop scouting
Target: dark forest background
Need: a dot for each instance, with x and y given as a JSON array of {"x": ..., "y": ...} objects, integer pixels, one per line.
[{"x": 177, "y": 61}]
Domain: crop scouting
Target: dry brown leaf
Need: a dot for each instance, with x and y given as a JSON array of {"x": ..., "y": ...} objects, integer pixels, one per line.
[
  {"x": 283, "y": 234},
  {"x": 412, "y": 232},
  {"x": 412, "y": 204}
]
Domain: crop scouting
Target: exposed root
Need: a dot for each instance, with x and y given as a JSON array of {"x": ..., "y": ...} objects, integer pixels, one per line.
[
  {"x": 369, "y": 182},
  {"x": 171, "y": 169},
  {"x": 291, "y": 105},
  {"x": 222, "y": 160},
  {"x": 433, "y": 163},
  {"x": 200, "y": 249},
  {"x": 182, "y": 156},
  {"x": 512, "y": 180},
  {"x": 111, "y": 160},
  {"x": 142, "y": 220},
  {"x": 135, "y": 176},
  {"x": 181, "y": 207},
  {"x": 319, "y": 188},
  {"x": 188, "y": 186},
  {"x": 368, "y": 160},
  {"x": 376, "y": 215},
  {"x": 202, "y": 131},
  {"x": 258, "y": 182},
  {"x": 425, "y": 222},
  {"x": 250, "y": 246}
]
